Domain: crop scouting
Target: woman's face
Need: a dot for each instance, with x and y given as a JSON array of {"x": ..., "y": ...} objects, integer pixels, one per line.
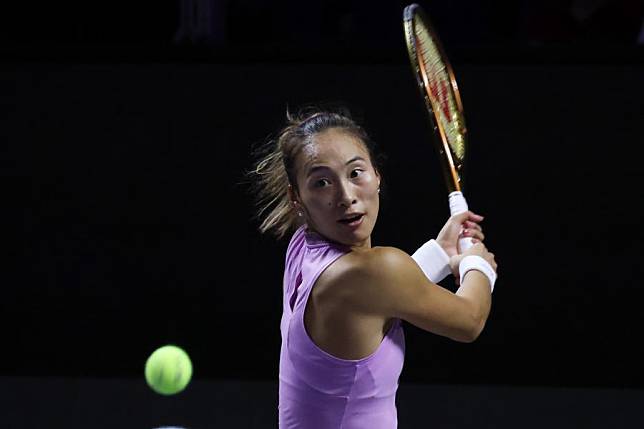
[{"x": 338, "y": 188}]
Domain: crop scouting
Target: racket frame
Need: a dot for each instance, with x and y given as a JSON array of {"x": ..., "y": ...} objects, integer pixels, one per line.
[{"x": 452, "y": 169}]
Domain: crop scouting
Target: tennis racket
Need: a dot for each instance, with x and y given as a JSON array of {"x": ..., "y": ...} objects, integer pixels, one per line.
[{"x": 443, "y": 102}]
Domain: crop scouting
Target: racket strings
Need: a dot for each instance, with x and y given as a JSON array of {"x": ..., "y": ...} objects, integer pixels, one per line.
[{"x": 439, "y": 92}]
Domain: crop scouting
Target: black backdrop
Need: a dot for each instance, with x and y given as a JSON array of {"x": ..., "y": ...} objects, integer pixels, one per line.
[{"x": 135, "y": 228}]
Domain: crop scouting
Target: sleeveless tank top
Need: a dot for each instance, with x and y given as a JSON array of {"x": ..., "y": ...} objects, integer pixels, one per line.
[{"x": 318, "y": 390}]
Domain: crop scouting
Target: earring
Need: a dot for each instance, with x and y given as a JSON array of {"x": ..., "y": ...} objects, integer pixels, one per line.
[
  {"x": 378, "y": 190},
  {"x": 299, "y": 214}
]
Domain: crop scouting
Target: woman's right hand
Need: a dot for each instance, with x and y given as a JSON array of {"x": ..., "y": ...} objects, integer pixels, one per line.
[{"x": 477, "y": 249}]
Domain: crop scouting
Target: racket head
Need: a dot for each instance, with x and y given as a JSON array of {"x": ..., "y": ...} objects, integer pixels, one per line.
[{"x": 439, "y": 91}]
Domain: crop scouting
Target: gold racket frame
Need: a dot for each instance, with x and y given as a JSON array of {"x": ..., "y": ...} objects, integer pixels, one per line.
[{"x": 452, "y": 164}]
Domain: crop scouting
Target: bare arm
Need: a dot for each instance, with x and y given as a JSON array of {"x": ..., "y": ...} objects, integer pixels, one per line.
[{"x": 388, "y": 282}]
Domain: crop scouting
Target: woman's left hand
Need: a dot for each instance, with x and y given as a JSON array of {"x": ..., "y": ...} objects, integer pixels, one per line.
[{"x": 464, "y": 224}]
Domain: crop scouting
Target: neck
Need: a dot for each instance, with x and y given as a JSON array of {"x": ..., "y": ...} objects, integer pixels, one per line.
[{"x": 365, "y": 245}]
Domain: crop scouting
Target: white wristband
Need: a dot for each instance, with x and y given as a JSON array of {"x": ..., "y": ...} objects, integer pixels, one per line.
[
  {"x": 474, "y": 262},
  {"x": 433, "y": 260}
]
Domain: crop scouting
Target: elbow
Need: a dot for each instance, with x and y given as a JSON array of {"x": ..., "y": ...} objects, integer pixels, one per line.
[
  {"x": 472, "y": 328},
  {"x": 472, "y": 334},
  {"x": 474, "y": 321}
]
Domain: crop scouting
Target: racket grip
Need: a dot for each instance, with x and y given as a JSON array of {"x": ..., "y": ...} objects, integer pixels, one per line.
[{"x": 457, "y": 205}]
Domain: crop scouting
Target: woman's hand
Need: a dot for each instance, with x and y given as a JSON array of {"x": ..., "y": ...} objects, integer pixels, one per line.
[
  {"x": 477, "y": 249},
  {"x": 464, "y": 224}
]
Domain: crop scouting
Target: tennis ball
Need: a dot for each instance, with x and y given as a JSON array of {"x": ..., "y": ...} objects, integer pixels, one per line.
[{"x": 168, "y": 370}]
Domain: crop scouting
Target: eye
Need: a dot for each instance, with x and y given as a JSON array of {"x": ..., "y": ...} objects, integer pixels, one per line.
[
  {"x": 321, "y": 183},
  {"x": 356, "y": 172}
]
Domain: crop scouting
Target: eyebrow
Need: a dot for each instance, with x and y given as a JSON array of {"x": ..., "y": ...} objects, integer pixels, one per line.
[{"x": 322, "y": 167}]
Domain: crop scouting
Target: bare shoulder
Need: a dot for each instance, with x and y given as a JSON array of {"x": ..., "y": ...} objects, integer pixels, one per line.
[
  {"x": 379, "y": 263},
  {"x": 374, "y": 274},
  {"x": 386, "y": 282}
]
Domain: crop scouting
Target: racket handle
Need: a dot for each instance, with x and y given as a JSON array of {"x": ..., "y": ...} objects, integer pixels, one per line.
[{"x": 457, "y": 204}]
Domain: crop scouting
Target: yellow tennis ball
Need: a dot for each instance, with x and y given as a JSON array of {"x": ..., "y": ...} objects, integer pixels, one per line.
[{"x": 168, "y": 370}]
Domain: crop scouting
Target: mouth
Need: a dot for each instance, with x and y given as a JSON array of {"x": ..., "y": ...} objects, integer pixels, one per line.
[{"x": 354, "y": 219}]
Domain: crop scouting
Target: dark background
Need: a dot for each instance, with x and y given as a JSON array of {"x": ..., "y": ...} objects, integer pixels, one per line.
[{"x": 128, "y": 132}]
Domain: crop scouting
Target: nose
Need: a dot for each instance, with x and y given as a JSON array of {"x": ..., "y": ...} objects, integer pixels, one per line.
[{"x": 346, "y": 195}]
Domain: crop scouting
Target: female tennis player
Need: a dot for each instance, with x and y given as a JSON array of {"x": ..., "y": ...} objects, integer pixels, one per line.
[{"x": 342, "y": 339}]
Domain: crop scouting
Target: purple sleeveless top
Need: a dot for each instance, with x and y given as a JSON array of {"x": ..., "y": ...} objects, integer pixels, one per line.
[{"x": 316, "y": 389}]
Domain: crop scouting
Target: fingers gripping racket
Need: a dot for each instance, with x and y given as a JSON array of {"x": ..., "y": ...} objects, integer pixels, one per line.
[{"x": 441, "y": 96}]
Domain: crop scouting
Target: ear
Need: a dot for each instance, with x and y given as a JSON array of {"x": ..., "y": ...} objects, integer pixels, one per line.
[{"x": 292, "y": 195}]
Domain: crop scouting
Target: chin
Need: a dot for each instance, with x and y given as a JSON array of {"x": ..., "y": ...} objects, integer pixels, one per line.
[
  {"x": 354, "y": 238},
  {"x": 345, "y": 235}
]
